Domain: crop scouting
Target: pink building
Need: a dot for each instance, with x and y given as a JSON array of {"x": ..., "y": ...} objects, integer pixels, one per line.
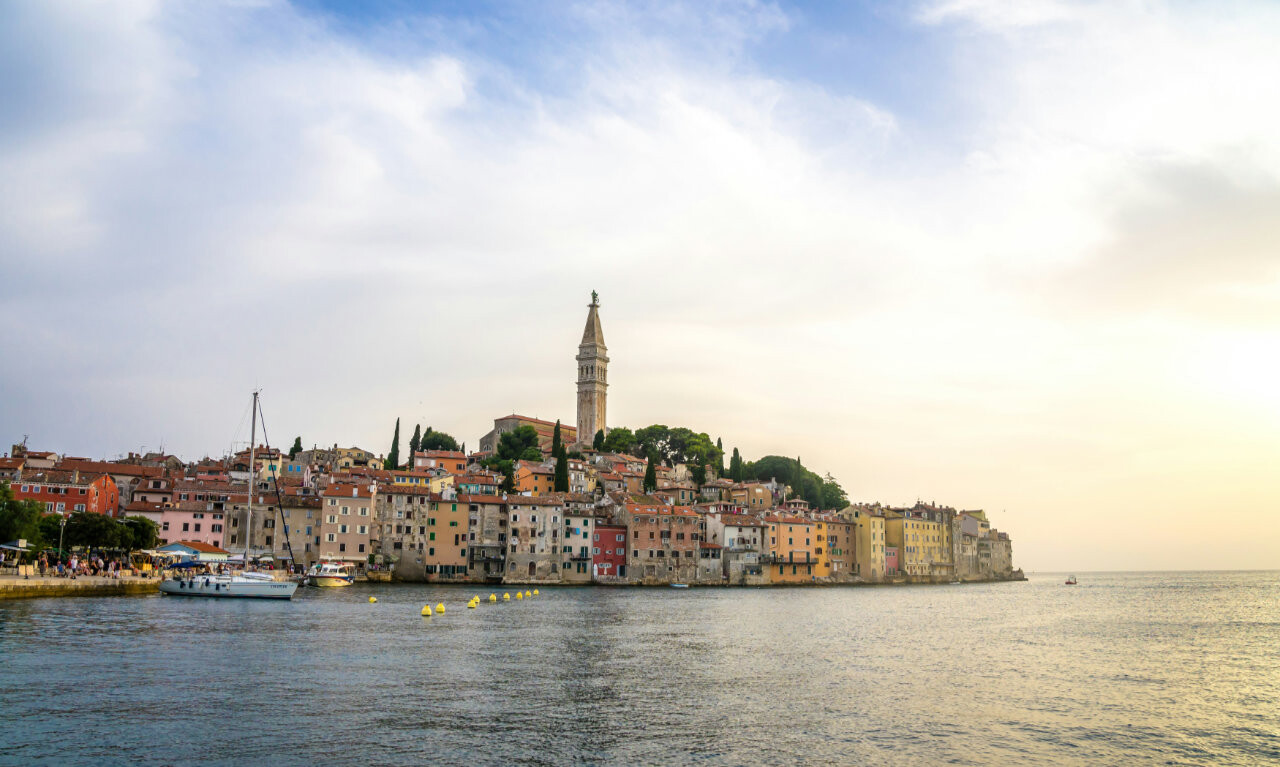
[
  {"x": 192, "y": 521},
  {"x": 890, "y": 560}
]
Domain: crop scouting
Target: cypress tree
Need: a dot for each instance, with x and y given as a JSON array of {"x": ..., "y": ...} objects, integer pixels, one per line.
[
  {"x": 650, "y": 477},
  {"x": 598, "y": 442},
  {"x": 555, "y": 441},
  {"x": 562, "y": 469},
  {"x": 508, "y": 477},
  {"x": 297, "y": 447},
  {"x": 720, "y": 460},
  {"x": 735, "y": 466},
  {"x": 393, "y": 457},
  {"x": 415, "y": 441}
]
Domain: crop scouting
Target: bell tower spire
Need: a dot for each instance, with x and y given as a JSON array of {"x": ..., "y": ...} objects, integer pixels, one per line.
[{"x": 593, "y": 379}]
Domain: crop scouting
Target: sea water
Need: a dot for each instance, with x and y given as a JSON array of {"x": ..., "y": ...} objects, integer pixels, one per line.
[{"x": 1124, "y": 668}]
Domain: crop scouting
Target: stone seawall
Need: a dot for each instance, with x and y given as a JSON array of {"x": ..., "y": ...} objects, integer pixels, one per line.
[{"x": 87, "y": 586}]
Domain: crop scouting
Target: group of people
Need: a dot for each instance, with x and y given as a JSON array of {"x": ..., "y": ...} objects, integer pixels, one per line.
[{"x": 75, "y": 566}]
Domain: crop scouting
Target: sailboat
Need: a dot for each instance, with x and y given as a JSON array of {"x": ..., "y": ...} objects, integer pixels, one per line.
[
  {"x": 1071, "y": 580},
  {"x": 245, "y": 585}
]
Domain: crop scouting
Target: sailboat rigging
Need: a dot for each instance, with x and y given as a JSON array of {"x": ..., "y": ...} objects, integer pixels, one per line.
[{"x": 245, "y": 585}]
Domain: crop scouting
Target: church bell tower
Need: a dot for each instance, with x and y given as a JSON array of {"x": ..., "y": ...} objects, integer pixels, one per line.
[{"x": 593, "y": 379}]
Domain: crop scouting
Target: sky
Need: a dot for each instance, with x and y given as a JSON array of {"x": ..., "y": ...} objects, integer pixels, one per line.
[{"x": 1021, "y": 255}]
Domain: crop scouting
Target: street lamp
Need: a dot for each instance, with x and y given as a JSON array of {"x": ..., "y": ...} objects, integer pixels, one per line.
[{"x": 62, "y": 527}]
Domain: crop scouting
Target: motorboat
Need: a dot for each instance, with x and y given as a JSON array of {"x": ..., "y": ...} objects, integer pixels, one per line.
[
  {"x": 244, "y": 585},
  {"x": 330, "y": 575},
  {"x": 679, "y": 585},
  {"x": 1071, "y": 580}
]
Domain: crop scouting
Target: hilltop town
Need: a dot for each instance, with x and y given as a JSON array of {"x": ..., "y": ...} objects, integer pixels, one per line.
[{"x": 538, "y": 502}]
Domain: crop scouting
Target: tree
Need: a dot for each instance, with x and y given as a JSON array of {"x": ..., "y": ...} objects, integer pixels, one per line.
[
  {"x": 143, "y": 532},
  {"x": 562, "y": 471},
  {"x": 598, "y": 442},
  {"x": 20, "y": 519},
  {"x": 735, "y": 466},
  {"x": 293, "y": 452},
  {"x": 619, "y": 440},
  {"x": 508, "y": 477},
  {"x": 393, "y": 457},
  {"x": 415, "y": 442},
  {"x": 720, "y": 463},
  {"x": 650, "y": 476},
  {"x": 96, "y": 531},
  {"x": 699, "y": 474},
  {"x": 519, "y": 444},
  {"x": 555, "y": 440},
  {"x": 437, "y": 440}
]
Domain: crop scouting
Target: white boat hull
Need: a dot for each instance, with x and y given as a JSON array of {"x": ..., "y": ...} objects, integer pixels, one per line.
[{"x": 228, "y": 587}]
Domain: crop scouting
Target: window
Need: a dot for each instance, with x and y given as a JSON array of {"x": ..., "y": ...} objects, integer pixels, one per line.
[
  {"x": 186, "y": 526},
  {"x": 363, "y": 530},
  {"x": 342, "y": 547},
  {"x": 328, "y": 538},
  {"x": 197, "y": 528},
  {"x": 342, "y": 529}
]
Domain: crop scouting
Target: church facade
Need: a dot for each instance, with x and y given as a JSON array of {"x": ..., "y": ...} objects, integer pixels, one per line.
[{"x": 593, "y": 375}]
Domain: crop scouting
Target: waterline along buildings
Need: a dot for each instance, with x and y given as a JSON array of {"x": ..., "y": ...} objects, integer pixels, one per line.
[{"x": 441, "y": 516}]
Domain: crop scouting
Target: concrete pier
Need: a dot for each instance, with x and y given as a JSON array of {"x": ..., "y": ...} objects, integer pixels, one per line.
[{"x": 83, "y": 586}]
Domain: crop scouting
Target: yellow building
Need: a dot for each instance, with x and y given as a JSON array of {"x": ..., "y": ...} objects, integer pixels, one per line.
[
  {"x": 422, "y": 479},
  {"x": 447, "y": 527},
  {"x": 868, "y": 541},
  {"x": 791, "y": 543},
  {"x": 922, "y": 543},
  {"x": 821, "y": 552}
]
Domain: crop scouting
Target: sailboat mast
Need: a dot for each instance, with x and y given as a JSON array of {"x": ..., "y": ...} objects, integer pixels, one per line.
[{"x": 253, "y": 442}]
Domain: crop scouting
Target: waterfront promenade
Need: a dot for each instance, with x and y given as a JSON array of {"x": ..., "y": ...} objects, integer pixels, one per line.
[{"x": 18, "y": 587}]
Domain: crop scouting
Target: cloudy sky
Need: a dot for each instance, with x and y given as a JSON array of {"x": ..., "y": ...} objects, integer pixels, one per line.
[{"x": 1016, "y": 255}]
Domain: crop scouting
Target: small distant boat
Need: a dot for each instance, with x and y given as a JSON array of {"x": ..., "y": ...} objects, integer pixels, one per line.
[
  {"x": 679, "y": 585},
  {"x": 1071, "y": 580},
  {"x": 330, "y": 575}
]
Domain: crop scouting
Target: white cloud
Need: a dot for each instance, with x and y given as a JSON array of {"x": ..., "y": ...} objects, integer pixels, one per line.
[{"x": 246, "y": 196}]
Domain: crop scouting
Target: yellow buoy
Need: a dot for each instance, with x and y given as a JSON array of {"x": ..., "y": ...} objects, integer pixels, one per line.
[
  {"x": 535, "y": 592},
  {"x": 426, "y": 611},
  {"x": 506, "y": 597},
  {"x": 471, "y": 605},
  {"x": 373, "y": 599},
  {"x": 528, "y": 593},
  {"x": 493, "y": 597},
  {"x": 519, "y": 595},
  {"x": 440, "y": 607}
]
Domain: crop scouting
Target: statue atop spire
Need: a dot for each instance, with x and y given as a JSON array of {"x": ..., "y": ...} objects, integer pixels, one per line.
[{"x": 595, "y": 298}]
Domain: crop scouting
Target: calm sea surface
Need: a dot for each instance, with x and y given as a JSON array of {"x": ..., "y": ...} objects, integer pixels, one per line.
[{"x": 1126, "y": 668}]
